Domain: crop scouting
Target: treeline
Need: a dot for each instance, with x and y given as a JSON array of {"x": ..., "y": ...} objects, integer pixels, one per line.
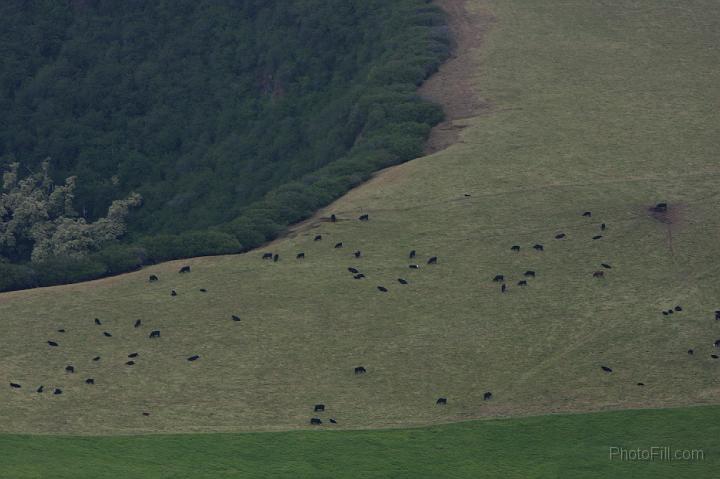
[{"x": 232, "y": 119}]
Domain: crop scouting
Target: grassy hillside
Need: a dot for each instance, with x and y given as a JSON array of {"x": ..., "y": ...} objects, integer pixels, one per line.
[
  {"x": 541, "y": 447},
  {"x": 595, "y": 107}
]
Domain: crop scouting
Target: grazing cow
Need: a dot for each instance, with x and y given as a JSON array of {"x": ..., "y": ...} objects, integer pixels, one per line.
[
  {"x": 402, "y": 281},
  {"x": 660, "y": 208},
  {"x": 522, "y": 283},
  {"x": 185, "y": 269},
  {"x": 717, "y": 343},
  {"x": 57, "y": 391},
  {"x": 193, "y": 358},
  {"x": 235, "y": 317},
  {"x": 203, "y": 290},
  {"x": 333, "y": 218},
  {"x": 587, "y": 214},
  {"x": 670, "y": 311},
  {"x": 717, "y": 315},
  {"x": 498, "y": 278},
  {"x": 606, "y": 369},
  {"x": 360, "y": 370},
  {"x": 267, "y": 256},
  {"x": 515, "y": 248},
  {"x": 432, "y": 260},
  {"x": 538, "y": 247},
  {"x": 40, "y": 389},
  {"x": 173, "y": 293},
  {"x": 503, "y": 288},
  {"x": 69, "y": 369},
  {"x": 130, "y": 363},
  {"x": 529, "y": 273},
  {"x": 96, "y": 358},
  {"x": 691, "y": 352},
  {"x": 487, "y": 396},
  {"x": 599, "y": 274},
  {"x": 597, "y": 237},
  {"x": 300, "y": 256},
  {"x": 353, "y": 270},
  {"x": 276, "y": 257},
  {"x": 319, "y": 407},
  {"x": 364, "y": 217},
  {"x": 61, "y": 330},
  {"x": 412, "y": 254},
  {"x": 382, "y": 288},
  {"x": 318, "y": 238},
  {"x": 107, "y": 335},
  {"x": 602, "y": 227},
  {"x": 53, "y": 343},
  {"x": 357, "y": 253},
  {"x": 560, "y": 236},
  {"x": 641, "y": 384},
  {"x": 89, "y": 381},
  {"x": 133, "y": 355},
  {"x": 359, "y": 276},
  {"x": 154, "y": 334},
  {"x": 315, "y": 421},
  {"x": 153, "y": 278},
  {"x": 146, "y": 414},
  {"x": 414, "y": 266},
  {"x": 665, "y": 313},
  {"x": 441, "y": 402},
  {"x": 678, "y": 308},
  {"x": 333, "y": 421},
  {"x": 137, "y": 323},
  {"x": 605, "y": 265},
  {"x": 714, "y": 356},
  {"x": 97, "y": 321},
  {"x": 15, "y": 385},
  {"x": 338, "y": 245}
]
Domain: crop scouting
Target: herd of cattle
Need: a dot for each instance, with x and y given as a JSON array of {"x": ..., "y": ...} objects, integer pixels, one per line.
[{"x": 70, "y": 369}]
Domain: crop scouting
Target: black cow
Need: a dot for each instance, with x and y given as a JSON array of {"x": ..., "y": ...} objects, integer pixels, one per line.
[
  {"x": 364, "y": 217},
  {"x": 319, "y": 407},
  {"x": 60, "y": 330},
  {"x": 276, "y": 257},
  {"x": 333, "y": 218},
  {"x": 717, "y": 343},
  {"x": 717, "y": 315},
  {"x": 185, "y": 269},
  {"x": 660, "y": 208},
  {"x": 300, "y": 256},
  {"x": 97, "y": 321},
  {"x": 522, "y": 283},
  {"x": 360, "y": 370},
  {"x": 267, "y": 256},
  {"x": 412, "y": 254},
  {"x": 53, "y": 343},
  {"x": 606, "y": 369},
  {"x": 193, "y": 358},
  {"x": 15, "y": 385},
  {"x": 599, "y": 274},
  {"x": 560, "y": 236},
  {"x": 137, "y": 323},
  {"x": 154, "y": 334},
  {"x": 107, "y": 335},
  {"x": 602, "y": 227},
  {"x": 338, "y": 245},
  {"x": 40, "y": 389},
  {"x": 691, "y": 352},
  {"x": 538, "y": 247},
  {"x": 153, "y": 278},
  {"x": 359, "y": 276},
  {"x": 57, "y": 391},
  {"x": 130, "y": 363},
  {"x": 333, "y": 421},
  {"x": 714, "y": 356},
  {"x": 414, "y": 266},
  {"x": 678, "y": 308},
  {"x": 382, "y": 288},
  {"x": 353, "y": 270},
  {"x": 146, "y": 414},
  {"x": 641, "y": 384},
  {"x": 665, "y": 313},
  {"x": 133, "y": 355},
  {"x": 203, "y": 290},
  {"x": 69, "y": 369},
  {"x": 315, "y": 421},
  {"x": 487, "y": 396},
  {"x": 402, "y": 281},
  {"x": 173, "y": 293},
  {"x": 235, "y": 317},
  {"x": 432, "y": 260},
  {"x": 597, "y": 237},
  {"x": 605, "y": 265},
  {"x": 503, "y": 288},
  {"x": 96, "y": 358},
  {"x": 670, "y": 311},
  {"x": 357, "y": 253},
  {"x": 587, "y": 214},
  {"x": 515, "y": 248},
  {"x": 441, "y": 402},
  {"x": 498, "y": 278},
  {"x": 529, "y": 273},
  {"x": 318, "y": 238},
  {"x": 89, "y": 381}
]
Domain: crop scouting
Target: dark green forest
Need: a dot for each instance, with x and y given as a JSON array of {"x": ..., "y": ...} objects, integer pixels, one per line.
[{"x": 232, "y": 118}]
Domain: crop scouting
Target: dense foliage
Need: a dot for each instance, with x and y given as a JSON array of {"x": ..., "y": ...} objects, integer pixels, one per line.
[{"x": 232, "y": 118}]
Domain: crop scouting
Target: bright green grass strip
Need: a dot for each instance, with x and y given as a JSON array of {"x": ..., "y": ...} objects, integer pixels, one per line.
[{"x": 573, "y": 446}]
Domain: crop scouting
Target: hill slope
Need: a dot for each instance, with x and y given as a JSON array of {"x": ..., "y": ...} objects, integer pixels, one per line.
[{"x": 593, "y": 108}]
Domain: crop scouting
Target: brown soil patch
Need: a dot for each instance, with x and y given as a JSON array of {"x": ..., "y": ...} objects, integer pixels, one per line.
[{"x": 452, "y": 85}]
